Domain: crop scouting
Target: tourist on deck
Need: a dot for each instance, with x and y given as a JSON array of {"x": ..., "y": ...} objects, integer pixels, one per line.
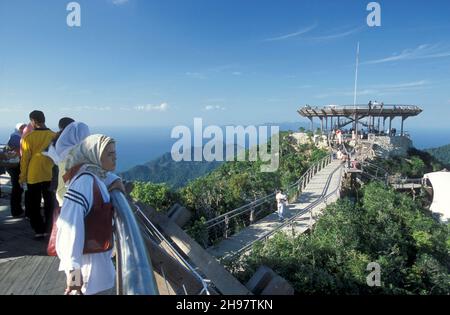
[
  {"x": 29, "y": 128},
  {"x": 36, "y": 173},
  {"x": 84, "y": 227},
  {"x": 72, "y": 135},
  {"x": 281, "y": 204},
  {"x": 14, "y": 172},
  {"x": 339, "y": 136}
]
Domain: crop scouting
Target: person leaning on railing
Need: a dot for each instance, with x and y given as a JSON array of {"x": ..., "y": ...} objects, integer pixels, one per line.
[{"x": 82, "y": 236}]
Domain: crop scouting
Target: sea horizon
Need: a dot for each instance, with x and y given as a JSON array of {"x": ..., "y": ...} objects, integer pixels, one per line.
[{"x": 139, "y": 145}]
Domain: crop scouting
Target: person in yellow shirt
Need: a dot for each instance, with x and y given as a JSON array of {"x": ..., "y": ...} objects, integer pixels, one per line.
[{"x": 36, "y": 173}]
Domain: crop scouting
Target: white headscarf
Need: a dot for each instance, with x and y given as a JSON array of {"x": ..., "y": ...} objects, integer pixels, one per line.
[
  {"x": 72, "y": 135},
  {"x": 88, "y": 153},
  {"x": 18, "y": 127}
]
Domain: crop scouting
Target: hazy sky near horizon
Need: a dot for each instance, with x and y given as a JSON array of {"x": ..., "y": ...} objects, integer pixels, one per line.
[{"x": 164, "y": 62}]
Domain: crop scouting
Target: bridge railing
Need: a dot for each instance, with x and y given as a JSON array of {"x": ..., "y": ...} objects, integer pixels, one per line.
[
  {"x": 291, "y": 221},
  {"x": 376, "y": 172},
  {"x": 134, "y": 271},
  {"x": 151, "y": 231},
  {"x": 227, "y": 224}
]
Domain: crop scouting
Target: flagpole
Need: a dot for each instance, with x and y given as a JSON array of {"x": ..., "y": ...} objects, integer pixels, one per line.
[{"x": 356, "y": 86}]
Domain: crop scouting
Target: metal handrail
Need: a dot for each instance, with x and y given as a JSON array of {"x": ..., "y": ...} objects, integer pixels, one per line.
[
  {"x": 291, "y": 220},
  {"x": 134, "y": 271},
  {"x": 366, "y": 106},
  {"x": 245, "y": 208},
  {"x": 150, "y": 227},
  {"x": 251, "y": 209}
]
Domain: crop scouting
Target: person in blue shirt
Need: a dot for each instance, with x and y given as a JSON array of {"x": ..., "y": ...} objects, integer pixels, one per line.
[{"x": 14, "y": 172}]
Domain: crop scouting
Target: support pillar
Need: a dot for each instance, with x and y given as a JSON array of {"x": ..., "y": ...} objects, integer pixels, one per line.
[
  {"x": 403, "y": 119},
  {"x": 390, "y": 126}
]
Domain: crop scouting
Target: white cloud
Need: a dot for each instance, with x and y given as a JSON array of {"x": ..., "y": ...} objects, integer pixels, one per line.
[
  {"x": 11, "y": 109},
  {"x": 119, "y": 2},
  {"x": 379, "y": 89},
  {"x": 84, "y": 108},
  {"x": 215, "y": 100},
  {"x": 402, "y": 86},
  {"x": 424, "y": 51},
  {"x": 338, "y": 35},
  {"x": 214, "y": 107},
  {"x": 196, "y": 75},
  {"x": 237, "y": 73},
  {"x": 152, "y": 108},
  {"x": 290, "y": 35}
]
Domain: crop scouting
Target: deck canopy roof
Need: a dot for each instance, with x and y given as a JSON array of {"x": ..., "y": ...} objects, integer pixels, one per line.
[
  {"x": 360, "y": 110},
  {"x": 365, "y": 115}
]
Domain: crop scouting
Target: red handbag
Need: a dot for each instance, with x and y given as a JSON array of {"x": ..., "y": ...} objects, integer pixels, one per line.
[{"x": 98, "y": 232}]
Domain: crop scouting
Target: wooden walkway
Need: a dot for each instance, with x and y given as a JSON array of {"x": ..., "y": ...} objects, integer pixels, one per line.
[
  {"x": 323, "y": 183},
  {"x": 25, "y": 268}
]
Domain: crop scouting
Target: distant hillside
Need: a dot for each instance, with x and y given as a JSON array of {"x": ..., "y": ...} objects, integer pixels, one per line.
[
  {"x": 175, "y": 174},
  {"x": 441, "y": 153},
  {"x": 165, "y": 170}
]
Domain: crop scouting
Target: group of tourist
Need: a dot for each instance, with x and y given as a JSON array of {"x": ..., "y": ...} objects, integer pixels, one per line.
[{"x": 71, "y": 171}]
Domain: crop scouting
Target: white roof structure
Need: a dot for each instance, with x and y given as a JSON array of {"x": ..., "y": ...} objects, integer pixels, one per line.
[{"x": 441, "y": 194}]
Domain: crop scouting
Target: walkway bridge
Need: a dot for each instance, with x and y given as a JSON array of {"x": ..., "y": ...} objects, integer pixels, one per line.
[{"x": 310, "y": 194}]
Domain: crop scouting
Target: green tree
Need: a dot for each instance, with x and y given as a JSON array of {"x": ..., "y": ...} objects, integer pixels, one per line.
[{"x": 159, "y": 196}]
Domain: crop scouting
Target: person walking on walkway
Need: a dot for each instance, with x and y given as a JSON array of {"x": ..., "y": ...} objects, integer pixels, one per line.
[
  {"x": 281, "y": 203},
  {"x": 36, "y": 173},
  {"x": 84, "y": 236}
]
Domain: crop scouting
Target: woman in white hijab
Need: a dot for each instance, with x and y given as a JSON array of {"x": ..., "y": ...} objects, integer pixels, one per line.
[
  {"x": 87, "y": 164},
  {"x": 72, "y": 135}
]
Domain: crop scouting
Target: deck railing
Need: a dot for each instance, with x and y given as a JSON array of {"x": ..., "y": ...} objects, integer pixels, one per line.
[
  {"x": 134, "y": 269},
  {"x": 324, "y": 198},
  {"x": 227, "y": 224}
]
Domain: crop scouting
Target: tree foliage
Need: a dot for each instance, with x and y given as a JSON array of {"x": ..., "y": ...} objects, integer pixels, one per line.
[
  {"x": 384, "y": 227},
  {"x": 159, "y": 196}
]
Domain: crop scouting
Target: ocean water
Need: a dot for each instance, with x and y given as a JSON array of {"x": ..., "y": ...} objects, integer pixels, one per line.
[
  {"x": 134, "y": 145},
  {"x": 139, "y": 145},
  {"x": 430, "y": 138}
]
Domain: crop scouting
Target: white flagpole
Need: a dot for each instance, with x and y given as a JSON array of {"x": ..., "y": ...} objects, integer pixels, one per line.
[
  {"x": 356, "y": 75},
  {"x": 356, "y": 85}
]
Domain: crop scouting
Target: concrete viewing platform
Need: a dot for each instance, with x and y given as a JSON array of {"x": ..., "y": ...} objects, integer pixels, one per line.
[
  {"x": 354, "y": 114},
  {"x": 323, "y": 183}
]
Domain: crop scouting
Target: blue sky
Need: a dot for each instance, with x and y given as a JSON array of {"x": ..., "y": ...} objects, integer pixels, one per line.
[{"x": 161, "y": 63}]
